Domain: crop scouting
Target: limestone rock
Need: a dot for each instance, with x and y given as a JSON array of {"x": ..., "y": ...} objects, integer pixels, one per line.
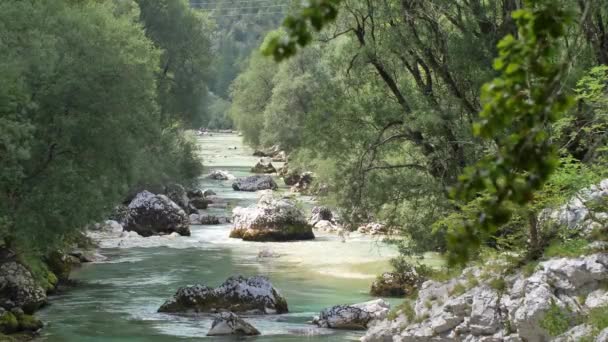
[
  {"x": 18, "y": 289},
  {"x": 355, "y": 316},
  {"x": 220, "y": 175},
  {"x": 271, "y": 220},
  {"x": 264, "y": 165},
  {"x": 227, "y": 323},
  {"x": 255, "y": 183},
  {"x": 151, "y": 214},
  {"x": 177, "y": 193},
  {"x": 236, "y": 294}
]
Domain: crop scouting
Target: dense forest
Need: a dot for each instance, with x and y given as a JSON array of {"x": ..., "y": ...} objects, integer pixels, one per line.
[{"x": 467, "y": 130}]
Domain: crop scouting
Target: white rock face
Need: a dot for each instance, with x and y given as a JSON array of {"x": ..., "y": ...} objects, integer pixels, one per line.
[
  {"x": 576, "y": 214},
  {"x": 482, "y": 313},
  {"x": 355, "y": 316},
  {"x": 227, "y": 323}
]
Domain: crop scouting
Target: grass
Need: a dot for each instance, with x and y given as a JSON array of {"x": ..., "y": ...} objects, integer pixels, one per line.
[
  {"x": 406, "y": 308},
  {"x": 498, "y": 284},
  {"x": 458, "y": 289},
  {"x": 556, "y": 320},
  {"x": 598, "y": 318},
  {"x": 568, "y": 248}
]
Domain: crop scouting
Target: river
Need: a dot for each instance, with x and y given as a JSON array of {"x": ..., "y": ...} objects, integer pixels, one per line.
[{"x": 117, "y": 300}]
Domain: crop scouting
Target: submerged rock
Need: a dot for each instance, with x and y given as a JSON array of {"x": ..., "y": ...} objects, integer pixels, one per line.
[
  {"x": 236, "y": 294},
  {"x": 228, "y": 323},
  {"x": 271, "y": 220},
  {"x": 263, "y": 165},
  {"x": 151, "y": 214},
  {"x": 355, "y": 316},
  {"x": 255, "y": 183},
  {"x": 220, "y": 175},
  {"x": 18, "y": 289}
]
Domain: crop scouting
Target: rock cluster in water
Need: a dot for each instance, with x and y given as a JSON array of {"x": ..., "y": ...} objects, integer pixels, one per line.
[
  {"x": 255, "y": 183},
  {"x": 355, "y": 316},
  {"x": 237, "y": 294},
  {"x": 272, "y": 219},
  {"x": 220, "y": 175},
  {"x": 264, "y": 165}
]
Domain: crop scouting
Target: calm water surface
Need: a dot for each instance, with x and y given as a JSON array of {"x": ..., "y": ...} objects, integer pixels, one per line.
[{"x": 117, "y": 300}]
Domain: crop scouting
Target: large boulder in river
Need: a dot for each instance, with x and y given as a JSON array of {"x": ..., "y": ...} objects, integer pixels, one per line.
[
  {"x": 271, "y": 220},
  {"x": 228, "y": 323},
  {"x": 18, "y": 289},
  {"x": 394, "y": 284},
  {"x": 355, "y": 316},
  {"x": 255, "y": 183},
  {"x": 237, "y": 294},
  {"x": 264, "y": 165},
  {"x": 151, "y": 214}
]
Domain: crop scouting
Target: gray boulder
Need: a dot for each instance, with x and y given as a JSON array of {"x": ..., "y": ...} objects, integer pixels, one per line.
[
  {"x": 255, "y": 183},
  {"x": 151, "y": 214},
  {"x": 237, "y": 294},
  {"x": 355, "y": 316},
  {"x": 264, "y": 165},
  {"x": 220, "y": 175},
  {"x": 271, "y": 220},
  {"x": 18, "y": 289},
  {"x": 177, "y": 194},
  {"x": 227, "y": 323}
]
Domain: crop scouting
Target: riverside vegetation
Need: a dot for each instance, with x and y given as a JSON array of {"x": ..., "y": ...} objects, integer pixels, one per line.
[{"x": 473, "y": 129}]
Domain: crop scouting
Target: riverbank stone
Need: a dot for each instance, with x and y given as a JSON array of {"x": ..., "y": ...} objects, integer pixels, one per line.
[
  {"x": 18, "y": 289},
  {"x": 264, "y": 165},
  {"x": 255, "y": 183},
  {"x": 255, "y": 295},
  {"x": 271, "y": 219},
  {"x": 228, "y": 323},
  {"x": 151, "y": 214},
  {"x": 355, "y": 316}
]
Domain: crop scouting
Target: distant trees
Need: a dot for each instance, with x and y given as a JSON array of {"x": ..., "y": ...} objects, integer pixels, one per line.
[
  {"x": 89, "y": 108},
  {"x": 393, "y": 91}
]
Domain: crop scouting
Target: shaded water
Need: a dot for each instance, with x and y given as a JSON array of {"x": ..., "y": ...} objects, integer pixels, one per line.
[{"x": 117, "y": 300}]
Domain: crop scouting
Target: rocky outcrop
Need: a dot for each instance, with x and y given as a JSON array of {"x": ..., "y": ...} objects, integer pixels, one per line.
[
  {"x": 272, "y": 219},
  {"x": 264, "y": 165},
  {"x": 479, "y": 306},
  {"x": 274, "y": 152},
  {"x": 320, "y": 214},
  {"x": 254, "y": 295},
  {"x": 151, "y": 214},
  {"x": 255, "y": 183},
  {"x": 220, "y": 175},
  {"x": 394, "y": 284},
  {"x": 580, "y": 213},
  {"x": 228, "y": 323},
  {"x": 18, "y": 288},
  {"x": 280, "y": 157},
  {"x": 355, "y": 316}
]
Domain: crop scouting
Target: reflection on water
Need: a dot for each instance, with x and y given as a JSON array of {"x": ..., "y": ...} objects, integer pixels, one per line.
[{"x": 117, "y": 300}]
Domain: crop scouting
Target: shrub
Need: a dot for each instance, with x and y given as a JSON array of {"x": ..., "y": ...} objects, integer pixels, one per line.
[{"x": 556, "y": 320}]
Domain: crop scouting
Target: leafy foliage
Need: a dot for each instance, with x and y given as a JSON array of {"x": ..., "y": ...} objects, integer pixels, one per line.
[{"x": 522, "y": 101}]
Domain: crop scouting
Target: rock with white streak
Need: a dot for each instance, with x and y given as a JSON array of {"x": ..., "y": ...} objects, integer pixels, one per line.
[{"x": 254, "y": 295}]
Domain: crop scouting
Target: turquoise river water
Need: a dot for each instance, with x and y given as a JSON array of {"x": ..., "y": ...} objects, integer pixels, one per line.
[{"x": 116, "y": 300}]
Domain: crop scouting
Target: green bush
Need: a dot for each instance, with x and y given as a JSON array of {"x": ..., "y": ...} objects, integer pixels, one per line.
[{"x": 556, "y": 320}]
